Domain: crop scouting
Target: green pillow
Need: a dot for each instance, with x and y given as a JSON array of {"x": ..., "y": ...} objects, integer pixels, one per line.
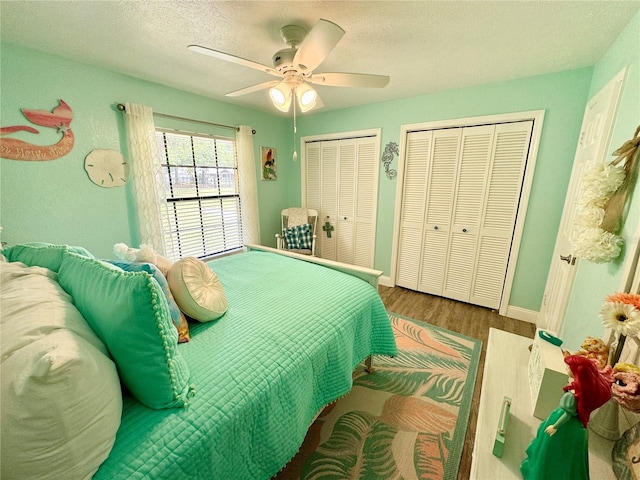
[
  {"x": 130, "y": 314},
  {"x": 44, "y": 255}
]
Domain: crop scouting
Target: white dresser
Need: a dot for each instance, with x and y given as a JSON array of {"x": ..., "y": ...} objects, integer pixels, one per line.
[{"x": 505, "y": 374}]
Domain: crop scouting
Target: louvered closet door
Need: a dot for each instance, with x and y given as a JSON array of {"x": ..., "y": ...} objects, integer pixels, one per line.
[
  {"x": 346, "y": 201},
  {"x": 473, "y": 164},
  {"x": 418, "y": 156},
  {"x": 342, "y": 180},
  {"x": 313, "y": 187},
  {"x": 506, "y": 171},
  {"x": 329, "y": 155},
  {"x": 441, "y": 181},
  {"x": 366, "y": 201}
]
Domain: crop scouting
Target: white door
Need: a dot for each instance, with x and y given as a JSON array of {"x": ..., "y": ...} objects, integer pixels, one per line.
[
  {"x": 328, "y": 198},
  {"x": 346, "y": 201},
  {"x": 592, "y": 145},
  {"x": 342, "y": 184},
  {"x": 461, "y": 192},
  {"x": 500, "y": 206},
  {"x": 365, "y": 213},
  {"x": 413, "y": 207},
  {"x": 473, "y": 165},
  {"x": 441, "y": 183}
]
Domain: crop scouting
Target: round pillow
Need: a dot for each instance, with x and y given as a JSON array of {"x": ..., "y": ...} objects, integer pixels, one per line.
[{"x": 197, "y": 289}]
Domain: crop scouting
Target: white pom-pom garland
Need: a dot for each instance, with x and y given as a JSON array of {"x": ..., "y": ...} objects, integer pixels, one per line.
[{"x": 599, "y": 182}]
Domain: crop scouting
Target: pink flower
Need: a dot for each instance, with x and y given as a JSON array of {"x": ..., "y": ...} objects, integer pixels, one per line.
[{"x": 628, "y": 298}]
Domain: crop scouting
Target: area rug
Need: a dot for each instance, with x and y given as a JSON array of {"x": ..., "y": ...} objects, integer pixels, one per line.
[{"x": 406, "y": 420}]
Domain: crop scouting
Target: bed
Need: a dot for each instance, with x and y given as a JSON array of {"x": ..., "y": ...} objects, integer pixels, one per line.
[{"x": 286, "y": 347}]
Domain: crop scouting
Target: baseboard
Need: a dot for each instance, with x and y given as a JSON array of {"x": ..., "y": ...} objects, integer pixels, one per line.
[
  {"x": 385, "y": 281},
  {"x": 523, "y": 314}
]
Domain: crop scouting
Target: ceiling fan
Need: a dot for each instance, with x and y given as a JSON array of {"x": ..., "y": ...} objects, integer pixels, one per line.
[{"x": 295, "y": 65}]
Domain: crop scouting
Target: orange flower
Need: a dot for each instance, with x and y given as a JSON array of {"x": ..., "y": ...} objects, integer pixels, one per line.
[{"x": 628, "y": 298}]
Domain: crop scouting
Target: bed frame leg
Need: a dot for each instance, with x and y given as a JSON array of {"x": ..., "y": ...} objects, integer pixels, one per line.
[{"x": 368, "y": 367}]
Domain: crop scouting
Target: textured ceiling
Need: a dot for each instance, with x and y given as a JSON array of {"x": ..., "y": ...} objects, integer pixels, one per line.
[{"x": 424, "y": 46}]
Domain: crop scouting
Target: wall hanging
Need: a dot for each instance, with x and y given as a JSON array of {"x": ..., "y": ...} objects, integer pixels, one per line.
[
  {"x": 268, "y": 162},
  {"x": 106, "y": 168},
  {"x": 604, "y": 188},
  {"x": 390, "y": 150},
  {"x": 60, "y": 119}
]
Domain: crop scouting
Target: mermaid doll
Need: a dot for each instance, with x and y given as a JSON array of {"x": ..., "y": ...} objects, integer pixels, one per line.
[{"x": 560, "y": 449}]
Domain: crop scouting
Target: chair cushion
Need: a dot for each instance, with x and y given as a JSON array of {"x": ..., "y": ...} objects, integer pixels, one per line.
[
  {"x": 299, "y": 237},
  {"x": 197, "y": 290},
  {"x": 131, "y": 316}
]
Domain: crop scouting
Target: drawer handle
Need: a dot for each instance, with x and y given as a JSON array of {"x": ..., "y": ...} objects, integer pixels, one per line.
[{"x": 504, "y": 416}]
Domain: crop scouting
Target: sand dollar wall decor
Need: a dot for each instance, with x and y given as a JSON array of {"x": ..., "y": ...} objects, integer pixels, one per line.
[{"x": 107, "y": 168}]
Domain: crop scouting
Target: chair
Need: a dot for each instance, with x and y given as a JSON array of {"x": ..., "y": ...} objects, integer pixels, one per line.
[{"x": 298, "y": 231}]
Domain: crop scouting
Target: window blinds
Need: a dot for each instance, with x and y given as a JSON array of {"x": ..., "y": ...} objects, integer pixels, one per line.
[{"x": 203, "y": 212}]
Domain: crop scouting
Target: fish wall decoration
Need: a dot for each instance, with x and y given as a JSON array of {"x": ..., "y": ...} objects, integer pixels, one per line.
[{"x": 60, "y": 119}]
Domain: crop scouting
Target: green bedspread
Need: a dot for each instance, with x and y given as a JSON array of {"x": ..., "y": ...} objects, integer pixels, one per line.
[{"x": 286, "y": 347}]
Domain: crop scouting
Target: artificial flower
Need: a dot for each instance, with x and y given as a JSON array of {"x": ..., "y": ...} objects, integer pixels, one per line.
[
  {"x": 596, "y": 245},
  {"x": 589, "y": 216},
  {"x": 599, "y": 181},
  {"x": 622, "y": 318},
  {"x": 624, "y": 297}
]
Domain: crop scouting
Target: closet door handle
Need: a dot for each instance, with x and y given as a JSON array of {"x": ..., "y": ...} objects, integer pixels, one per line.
[
  {"x": 464, "y": 230},
  {"x": 435, "y": 227}
]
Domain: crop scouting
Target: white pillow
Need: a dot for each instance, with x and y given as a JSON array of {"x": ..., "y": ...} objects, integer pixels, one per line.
[
  {"x": 61, "y": 400},
  {"x": 197, "y": 289}
]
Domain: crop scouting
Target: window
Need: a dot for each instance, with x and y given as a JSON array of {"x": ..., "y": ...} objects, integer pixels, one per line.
[{"x": 202, "y": 216}]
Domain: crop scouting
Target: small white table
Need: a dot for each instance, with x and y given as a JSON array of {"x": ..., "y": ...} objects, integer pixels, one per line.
[{"x": 505, "y": 374}]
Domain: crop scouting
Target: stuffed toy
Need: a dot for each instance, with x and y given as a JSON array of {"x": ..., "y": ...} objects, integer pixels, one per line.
[
  {"x": 626, "y": 386},
  {"x": 593, "y": 348},
  {"x": 144, "y": 254}
]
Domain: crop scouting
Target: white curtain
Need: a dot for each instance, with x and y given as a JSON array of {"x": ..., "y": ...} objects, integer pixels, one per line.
[
  {"x": 248, "y": 185},
  {"x": 148, "y": 181}
]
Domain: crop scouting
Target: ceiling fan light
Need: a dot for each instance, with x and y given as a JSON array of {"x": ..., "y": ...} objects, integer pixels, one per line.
[
  {"x": 281, "y": 97},
  {"x": 307, "y": 97}
]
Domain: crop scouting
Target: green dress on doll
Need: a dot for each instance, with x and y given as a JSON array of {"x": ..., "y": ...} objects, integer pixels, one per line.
[{"x": 563, "y": 455}]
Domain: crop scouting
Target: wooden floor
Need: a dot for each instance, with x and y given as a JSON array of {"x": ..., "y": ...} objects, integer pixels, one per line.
[{"x": 463, "y": 318}]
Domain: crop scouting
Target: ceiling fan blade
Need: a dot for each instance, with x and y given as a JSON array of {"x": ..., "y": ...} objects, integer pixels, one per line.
[
  {"x": 318, "y": 43},
  {"x": 253, "y": 88},
  {"x": 349, "y": 80},
  {"x": 232, "y": 58}
]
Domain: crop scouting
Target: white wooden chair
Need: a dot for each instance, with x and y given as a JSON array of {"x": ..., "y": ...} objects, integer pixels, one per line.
[{"x": 294, "y": 233}]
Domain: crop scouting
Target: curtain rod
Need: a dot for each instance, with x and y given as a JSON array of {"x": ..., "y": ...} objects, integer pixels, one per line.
[{"x": 164, "y": 115}]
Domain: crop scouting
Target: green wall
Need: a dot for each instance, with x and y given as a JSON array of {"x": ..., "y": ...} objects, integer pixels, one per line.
[
  {"x": 54, "y": 201},
  {"x": 594, "y": 281},
  {"x": 561, "y": 95}
]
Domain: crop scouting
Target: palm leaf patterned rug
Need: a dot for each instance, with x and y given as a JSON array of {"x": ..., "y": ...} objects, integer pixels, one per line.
[{"x": 406, "y": 420}]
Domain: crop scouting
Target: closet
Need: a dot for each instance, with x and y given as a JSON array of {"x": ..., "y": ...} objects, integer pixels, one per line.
[
  {"x": 458, "y": 211},
  {"x": 341, "y": 183}
]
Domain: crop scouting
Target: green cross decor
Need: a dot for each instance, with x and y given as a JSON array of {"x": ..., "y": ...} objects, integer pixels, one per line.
[{"x": 327, "y": 227}]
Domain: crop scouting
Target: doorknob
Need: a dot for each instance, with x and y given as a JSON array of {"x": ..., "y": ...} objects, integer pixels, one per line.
[{"x": 569, "y": 259}]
